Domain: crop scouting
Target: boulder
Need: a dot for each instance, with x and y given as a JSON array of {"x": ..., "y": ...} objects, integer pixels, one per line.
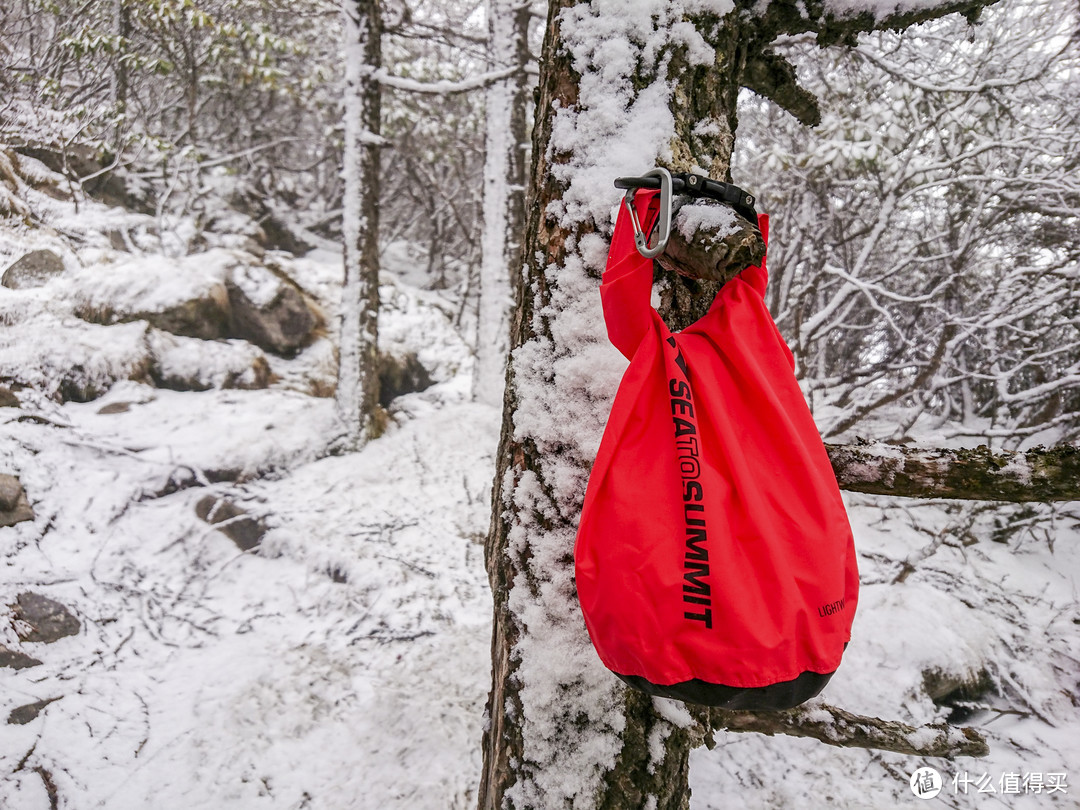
[
  {"x": 119, "y": 240},
  {"x": 186, "y": 364},
  {"x": 960, "y": 693},
  {"x": 275, "y": 235},
  {"x": 204, "y": 318},
  {"x": 271, "y": 233},
  {"x": 77, "y": 161},
  {"x": 186, "y": 297},
  {"x": 213, "y": 295},
  {"x": 41, "y": 619},
  {"x": 8, "y": 398},
  {"x": 232, "y": 521},
  {"x": 401, "y": 375},
  {"x": 14, "y": 506},
  {"x": 943, "y": 687},
  {"x": 270, "y": 310},
  {"x": 35, "y": 269},
  {"x": 74, "y": 362}
]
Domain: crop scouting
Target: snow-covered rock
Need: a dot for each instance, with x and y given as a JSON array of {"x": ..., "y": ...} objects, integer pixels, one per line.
[
  {"x": 220, "y": 293},
  {"x": 269, "y": 309},
  {"x": 15, "y": 659},
  {"x": 69, "y": 360},
  {"x": 401, "y": 374},
  {"x": 34, "y": 269},
  {"x": 231, "y": 520},
  {"x": 39, "y": 619},
  {"x": 14, "y": 506},
  {"x": 185, "y": 296},
  {"x": 187, "y": 364}
]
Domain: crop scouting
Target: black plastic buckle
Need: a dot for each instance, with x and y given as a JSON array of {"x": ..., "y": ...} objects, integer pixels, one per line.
[{"x": 696, "y": 185}]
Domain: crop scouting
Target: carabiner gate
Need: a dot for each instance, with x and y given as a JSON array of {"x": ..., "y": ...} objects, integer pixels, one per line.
[{"x": 641, "y": 239}]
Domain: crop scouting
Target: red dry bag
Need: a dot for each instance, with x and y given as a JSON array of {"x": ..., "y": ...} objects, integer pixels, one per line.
[{"x": 714, "y": 559}]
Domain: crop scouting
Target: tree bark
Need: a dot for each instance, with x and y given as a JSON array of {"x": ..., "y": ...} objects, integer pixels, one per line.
[
  {"x": 358, "y": 357},
  {"x": 1039, "y": 475}
]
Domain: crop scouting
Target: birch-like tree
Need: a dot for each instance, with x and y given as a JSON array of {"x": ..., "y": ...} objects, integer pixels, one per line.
[
  {"x": 623, "y": 87},
  {"x": 504, "y": 190}
]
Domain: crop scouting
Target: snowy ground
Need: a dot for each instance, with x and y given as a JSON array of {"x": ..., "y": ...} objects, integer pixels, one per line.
[
  {"x": 345, "y": 663},
  {"x": 1007, "y": 608}
]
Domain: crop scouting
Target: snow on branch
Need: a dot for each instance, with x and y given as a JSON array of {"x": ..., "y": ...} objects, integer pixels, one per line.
[
  {"x": 831, "y": 22},
  {"x": 839, "y": 21},
  {"x": 443, "y": 87},
  {"x": 837, "y": 727},
  {"x": 1041, "y": 474}
]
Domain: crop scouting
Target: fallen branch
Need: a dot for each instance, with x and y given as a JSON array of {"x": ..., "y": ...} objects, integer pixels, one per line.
[
  {"x": 1041, "y": 474},
  {"x": 837, "y": 727}
]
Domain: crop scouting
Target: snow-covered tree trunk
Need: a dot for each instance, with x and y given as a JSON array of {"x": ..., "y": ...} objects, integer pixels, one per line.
[
  {"x": 358, "y": 373},
  {"x": 504, "y": 192},
  {"x": 623, "y": 87},
  {"x": 564, "y": 732}
]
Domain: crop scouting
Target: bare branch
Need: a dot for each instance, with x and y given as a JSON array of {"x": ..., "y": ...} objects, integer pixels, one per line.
[
  {"x": 1040, "y": 475},
  {"x": 790, "y": 17},
  {"x": 771, "y": 76},
  {"x": 843, "y": 729}
]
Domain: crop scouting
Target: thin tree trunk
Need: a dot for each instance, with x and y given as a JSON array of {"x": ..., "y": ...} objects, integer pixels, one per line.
[
  {"x": 504, "y": 193},
  {"x": 122, "y": 27},
  {"x": 358, "y": 378}
]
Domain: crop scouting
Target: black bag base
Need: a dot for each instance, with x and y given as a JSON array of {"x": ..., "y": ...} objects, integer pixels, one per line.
[{"x": 771, "y": 698}]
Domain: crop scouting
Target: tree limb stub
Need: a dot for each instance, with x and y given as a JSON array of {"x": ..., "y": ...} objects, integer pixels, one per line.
[
  {"x": 837, "y": 727},
  {"x": 708, "y": 246},
  {"x": 1037, "y": 475},
  {"x": 773, "y": 77}
]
